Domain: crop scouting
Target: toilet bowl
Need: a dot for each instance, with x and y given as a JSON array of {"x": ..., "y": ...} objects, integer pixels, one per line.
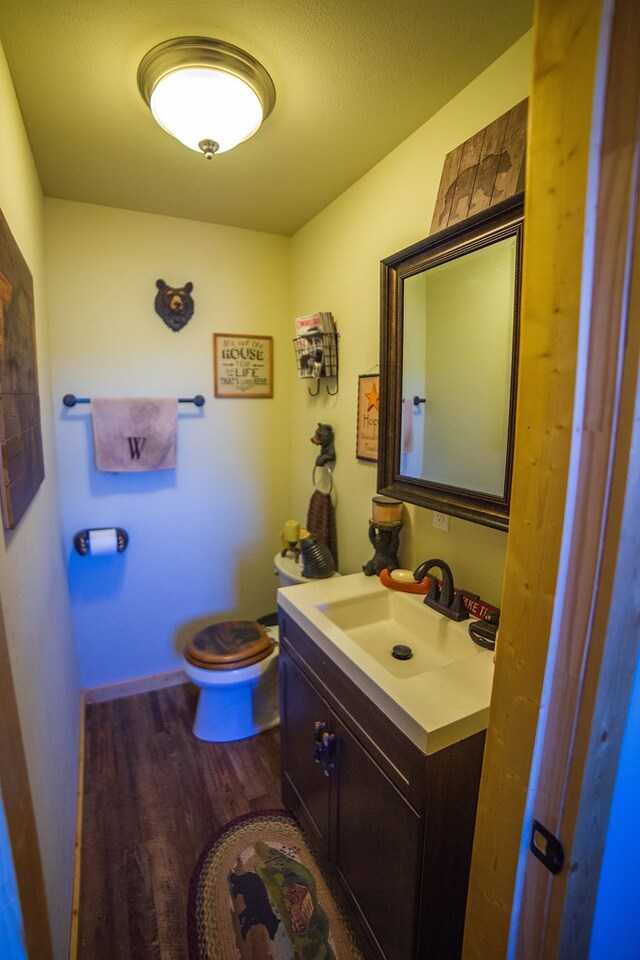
[
  {"x": 235, "y": 704},
  {"x": 235, "y": 665}
]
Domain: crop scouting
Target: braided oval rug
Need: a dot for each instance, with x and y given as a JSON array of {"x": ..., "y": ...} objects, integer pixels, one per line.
[{"x": 258, "y": 893}]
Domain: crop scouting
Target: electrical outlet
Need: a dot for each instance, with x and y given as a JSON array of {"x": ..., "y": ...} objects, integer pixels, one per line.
[{"x": 441, "y": 521}]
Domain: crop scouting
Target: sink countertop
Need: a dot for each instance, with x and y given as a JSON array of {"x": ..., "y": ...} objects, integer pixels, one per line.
[{"x": 435, "y": 708}]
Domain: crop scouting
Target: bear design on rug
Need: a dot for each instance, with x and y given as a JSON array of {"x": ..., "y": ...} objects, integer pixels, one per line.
[
  {"x": 257, "y": 907},
  {"x": 174, "y": 304}
]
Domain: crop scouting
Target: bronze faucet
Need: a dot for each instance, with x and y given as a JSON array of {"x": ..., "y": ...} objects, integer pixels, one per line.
[{"x": 443, "y": 596}]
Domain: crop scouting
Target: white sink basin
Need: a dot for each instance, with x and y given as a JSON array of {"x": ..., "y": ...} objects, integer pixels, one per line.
[
  {"x": 439, "y": 696},
  {"x": 380, "y": 622}
]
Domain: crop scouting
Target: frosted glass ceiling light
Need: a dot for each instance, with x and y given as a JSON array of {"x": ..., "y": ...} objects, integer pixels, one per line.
[{"x": 206, "y": 93}]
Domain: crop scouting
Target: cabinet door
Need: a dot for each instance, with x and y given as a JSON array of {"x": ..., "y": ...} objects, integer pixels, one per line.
[
  {"x": 305, "y": 787},
  {"x": 378, "y": 841}
]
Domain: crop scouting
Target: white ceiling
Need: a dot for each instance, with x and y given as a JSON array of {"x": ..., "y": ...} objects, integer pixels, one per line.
[{"x": 353, "y": 79}]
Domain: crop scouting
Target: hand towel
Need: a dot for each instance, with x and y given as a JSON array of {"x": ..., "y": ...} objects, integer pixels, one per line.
[
  {"x": 408, "y": 408},
  {"x": 132, "y": 435},
  {"x": 321, "y": 522}
]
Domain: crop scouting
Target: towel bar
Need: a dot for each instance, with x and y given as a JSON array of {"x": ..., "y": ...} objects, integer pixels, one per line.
[{"x": 70, "y": 400}]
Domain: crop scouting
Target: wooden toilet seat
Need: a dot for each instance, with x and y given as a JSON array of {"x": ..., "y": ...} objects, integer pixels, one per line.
[{"x": 229, "y": 645}]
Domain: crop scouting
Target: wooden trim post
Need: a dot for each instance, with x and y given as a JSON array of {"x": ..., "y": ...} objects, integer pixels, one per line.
[
  {"x": 595, "y": 637},
  {"x": 21, "y": 823},
  {"x": 565, "y": 52}
]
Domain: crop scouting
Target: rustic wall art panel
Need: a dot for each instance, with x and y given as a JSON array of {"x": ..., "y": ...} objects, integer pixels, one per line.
[
  {"x": 482, "y": 171},
  {"x": 20, "y": 430}
]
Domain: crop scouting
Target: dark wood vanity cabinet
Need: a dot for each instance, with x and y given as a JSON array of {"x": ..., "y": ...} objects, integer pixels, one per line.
[{"x": 393, "y": 825}]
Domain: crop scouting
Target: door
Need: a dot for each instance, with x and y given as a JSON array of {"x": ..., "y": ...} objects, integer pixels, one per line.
[
  {"x": 595, "y": 637},
  {"x": 570, "y": 601},
  {"x": 20, "y": 820},
  {"x": 11, "y": 929},
  {"x": 377, "y": 848},
  {"x": 305, "y": 786}
]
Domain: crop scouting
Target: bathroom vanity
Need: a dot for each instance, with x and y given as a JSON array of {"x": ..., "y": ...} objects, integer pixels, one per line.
[{"x": 386, "y": 795}]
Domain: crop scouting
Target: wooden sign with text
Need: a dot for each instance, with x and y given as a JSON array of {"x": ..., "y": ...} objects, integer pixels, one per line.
[
  {"x": 242, "y": 366},
  {"x": 368, "y": 417}
]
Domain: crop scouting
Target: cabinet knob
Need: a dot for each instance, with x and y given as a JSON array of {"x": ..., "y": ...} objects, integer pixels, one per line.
[{"x": 324, "y": 747}]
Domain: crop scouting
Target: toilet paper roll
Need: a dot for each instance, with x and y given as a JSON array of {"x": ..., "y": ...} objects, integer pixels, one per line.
[{"x": 103, "y": 542}]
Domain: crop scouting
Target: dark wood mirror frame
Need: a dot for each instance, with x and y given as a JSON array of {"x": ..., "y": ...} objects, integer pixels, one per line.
[{"x": 499, "y": 222}]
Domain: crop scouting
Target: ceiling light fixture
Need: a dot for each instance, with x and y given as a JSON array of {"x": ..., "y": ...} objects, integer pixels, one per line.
[{"x": 206, "y": 93}]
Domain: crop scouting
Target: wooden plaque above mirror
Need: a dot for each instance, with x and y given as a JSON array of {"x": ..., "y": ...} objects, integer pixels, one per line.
[{"x": 450, "y": 309}]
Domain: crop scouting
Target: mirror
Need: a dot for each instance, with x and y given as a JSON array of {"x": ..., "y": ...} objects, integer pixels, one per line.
[{"x": 448, "y": 363}]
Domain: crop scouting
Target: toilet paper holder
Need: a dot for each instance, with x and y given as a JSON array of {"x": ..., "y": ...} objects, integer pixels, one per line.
[{"x": 82, "y": 537}]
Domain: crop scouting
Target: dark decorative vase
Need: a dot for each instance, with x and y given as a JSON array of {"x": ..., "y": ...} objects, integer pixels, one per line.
[{"x": 317, "y": 562}]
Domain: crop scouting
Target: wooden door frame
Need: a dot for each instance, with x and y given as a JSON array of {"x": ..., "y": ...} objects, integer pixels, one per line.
[
  {"x": 564, "y": 604},
  {"x": 594, "y": 639},
  {"x": 20, "y": 817}
]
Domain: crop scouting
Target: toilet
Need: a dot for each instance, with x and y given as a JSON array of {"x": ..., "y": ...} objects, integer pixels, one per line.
[{"x": 235, "y": 665}]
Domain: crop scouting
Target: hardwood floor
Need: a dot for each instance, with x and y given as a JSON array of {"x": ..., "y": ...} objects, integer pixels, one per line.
[{"x": 154, "y": 797}]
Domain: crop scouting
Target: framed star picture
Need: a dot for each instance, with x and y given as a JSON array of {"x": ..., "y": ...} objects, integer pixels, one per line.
[{"x": 368, "y": 417}]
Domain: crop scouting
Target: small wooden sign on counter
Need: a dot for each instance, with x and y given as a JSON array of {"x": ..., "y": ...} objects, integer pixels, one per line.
[{"x": 242, "y": 365}]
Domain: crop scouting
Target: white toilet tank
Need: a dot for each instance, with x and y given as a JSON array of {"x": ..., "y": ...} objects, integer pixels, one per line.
[{"x": 289, "y": 570}]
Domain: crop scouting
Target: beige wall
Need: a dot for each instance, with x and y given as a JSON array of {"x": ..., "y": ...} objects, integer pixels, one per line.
[
  {"x": 32, "y": 573},
  {"x": 335, "y": 266},
  {"x": 202, "y": 536}
]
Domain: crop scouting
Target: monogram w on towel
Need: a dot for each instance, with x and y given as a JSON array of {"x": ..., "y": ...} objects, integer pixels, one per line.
[{"x": 134, "y": 434}]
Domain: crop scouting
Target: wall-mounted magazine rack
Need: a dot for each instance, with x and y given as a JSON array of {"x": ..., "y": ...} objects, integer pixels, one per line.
[
  {"x": 317, "y": 359},
  {"x": 316, "y": 349}
]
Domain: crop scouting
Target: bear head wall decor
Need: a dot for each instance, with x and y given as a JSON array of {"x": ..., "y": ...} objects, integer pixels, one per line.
[{"x": 174, "y": 304}]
